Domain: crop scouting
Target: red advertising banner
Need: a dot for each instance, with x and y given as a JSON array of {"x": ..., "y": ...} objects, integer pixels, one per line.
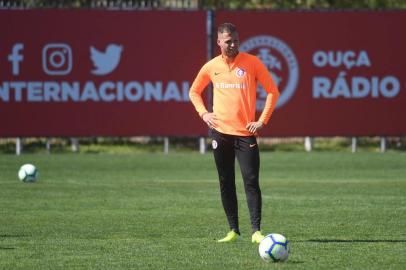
[
  {"x": 105, "y": 73},
  {"x": 127, "y": 73},
  {"x": 339, "y": 73}
]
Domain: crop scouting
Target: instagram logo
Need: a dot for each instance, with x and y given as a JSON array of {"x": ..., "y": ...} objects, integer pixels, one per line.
[{"x": 57, "y": 59}]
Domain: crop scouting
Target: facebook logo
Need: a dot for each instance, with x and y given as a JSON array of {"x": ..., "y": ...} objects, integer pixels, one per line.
[{"x": 15, "y": 57}]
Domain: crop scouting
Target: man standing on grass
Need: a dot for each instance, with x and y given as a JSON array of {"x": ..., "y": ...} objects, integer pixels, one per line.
[{"x": 233, "y": 126}]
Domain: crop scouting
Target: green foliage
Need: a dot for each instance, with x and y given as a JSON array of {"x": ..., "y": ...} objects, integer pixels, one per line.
[
  {"x": 220, "y": 4},
  {"x": 305, "y": 4},
  {"x": 154, "y": 211}
]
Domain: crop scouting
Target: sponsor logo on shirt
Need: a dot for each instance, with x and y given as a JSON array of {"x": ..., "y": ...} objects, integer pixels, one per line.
[{"x": 230, "y": 85}]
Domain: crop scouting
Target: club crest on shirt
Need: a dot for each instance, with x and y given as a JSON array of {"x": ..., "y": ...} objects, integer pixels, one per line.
[
  {"x": 240, "y": 72},
  {"x": 214, "y": 144}
]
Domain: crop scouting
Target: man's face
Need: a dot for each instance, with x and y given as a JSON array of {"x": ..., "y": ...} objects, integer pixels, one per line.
[{"x": 228, "y": 44}]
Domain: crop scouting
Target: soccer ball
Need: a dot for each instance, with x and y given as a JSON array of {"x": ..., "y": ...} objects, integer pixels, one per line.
[
  {"x": 274, "y": 248},
  {"x": 28, "y": 173}
]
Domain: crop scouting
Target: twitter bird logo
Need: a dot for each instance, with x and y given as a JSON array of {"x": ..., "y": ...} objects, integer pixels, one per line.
[{"x": 105, "y": 62}]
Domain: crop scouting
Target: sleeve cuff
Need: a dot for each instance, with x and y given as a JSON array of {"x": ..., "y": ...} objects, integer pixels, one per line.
[{"x": 203, "y": 113}]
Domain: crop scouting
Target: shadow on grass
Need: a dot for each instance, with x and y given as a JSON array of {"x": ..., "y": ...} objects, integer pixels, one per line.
[
  {"x": 354, "y": 241},
  {"x": 7, "y": 248},
  {"x": 12, "y": 235},
  {"x": 294, "y": 262}
]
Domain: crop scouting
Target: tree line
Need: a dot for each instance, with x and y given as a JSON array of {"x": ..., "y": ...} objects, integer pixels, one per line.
[{"x": 211, "y": 4}]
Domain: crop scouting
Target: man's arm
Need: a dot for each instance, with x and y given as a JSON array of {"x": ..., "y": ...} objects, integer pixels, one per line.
[
  {"x": 195, "y": 93},
  {"x": 265, "y": 79}
]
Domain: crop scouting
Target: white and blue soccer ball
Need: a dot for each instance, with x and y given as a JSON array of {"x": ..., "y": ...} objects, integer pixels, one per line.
[
  {"x": 28, "y": 173},
  {"x": 274, "y": 248}
]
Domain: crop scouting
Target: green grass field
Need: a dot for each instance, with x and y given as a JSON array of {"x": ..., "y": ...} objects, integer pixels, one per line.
[{"x": 155, "y": 211}]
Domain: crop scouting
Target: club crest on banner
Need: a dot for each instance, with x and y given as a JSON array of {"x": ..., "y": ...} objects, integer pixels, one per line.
[{"x": 281, "y": 63}]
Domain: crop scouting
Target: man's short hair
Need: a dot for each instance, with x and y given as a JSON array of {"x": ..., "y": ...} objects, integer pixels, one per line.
[{"x": 226, "y": 28}]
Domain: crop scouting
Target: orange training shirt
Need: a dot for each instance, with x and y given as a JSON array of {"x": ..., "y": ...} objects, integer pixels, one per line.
[{"x": 234, "y": 92}]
